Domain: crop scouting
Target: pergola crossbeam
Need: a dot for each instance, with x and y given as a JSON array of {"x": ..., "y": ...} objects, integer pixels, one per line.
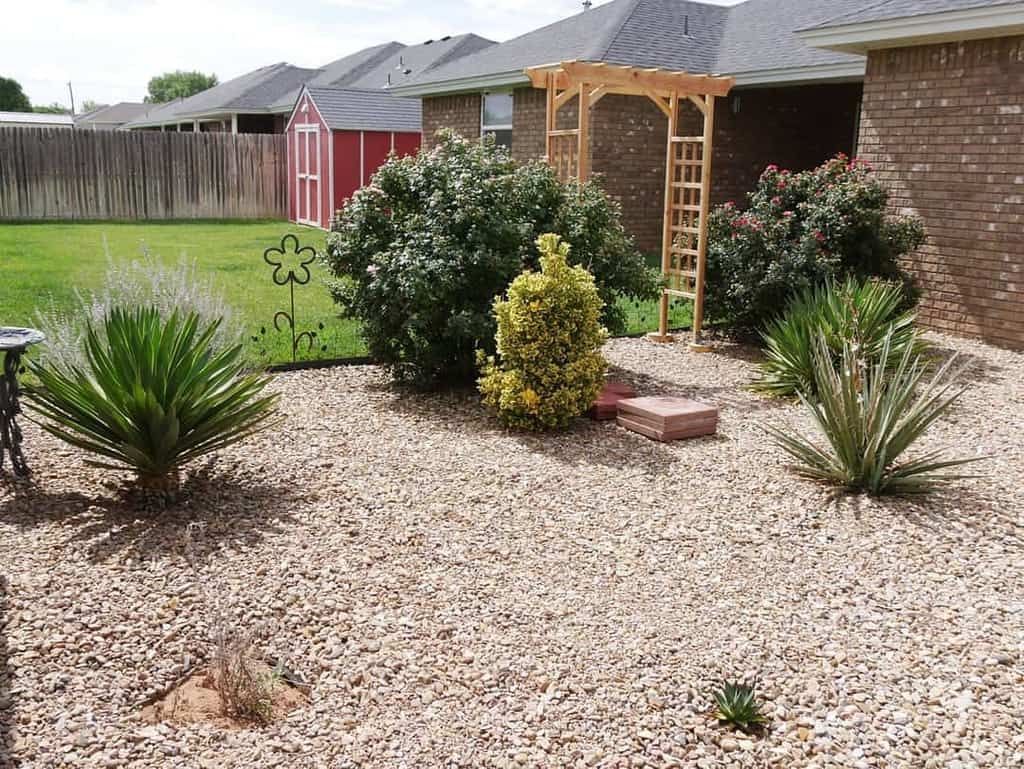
[{"x": 687, "y": 158}]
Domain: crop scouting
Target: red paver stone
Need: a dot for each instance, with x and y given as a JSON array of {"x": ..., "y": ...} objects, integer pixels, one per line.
[
  {"x": 607, "y": 404},
  {"x": 668, "y": 418}
]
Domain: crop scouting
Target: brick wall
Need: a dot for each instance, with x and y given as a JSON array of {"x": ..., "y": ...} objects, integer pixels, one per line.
[
  {"x": 944, "y": 127},
  {"x": 794, "y": 127},
  {"x": 460, "y": 112}
]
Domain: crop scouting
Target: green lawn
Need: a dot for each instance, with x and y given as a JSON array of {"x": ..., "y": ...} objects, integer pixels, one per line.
[{"x": 40, "y": 261}]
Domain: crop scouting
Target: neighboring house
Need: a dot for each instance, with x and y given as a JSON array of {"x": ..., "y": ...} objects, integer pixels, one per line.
[
  {"x": 337, "y": 139},
  {"x": 261, "y": 101},
  {"x": 36, "y": 120},
  {"x": 930, "y": 91},
  {"x": 111, "y": 117}
]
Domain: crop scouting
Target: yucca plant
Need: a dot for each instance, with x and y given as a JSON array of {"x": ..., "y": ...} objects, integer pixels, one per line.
[
  {"x": 152, "y": 395},
  {"x": 870, "y": 415},
  {"x": 738, "y": 706},
  {"x": 859, "y": 312}
]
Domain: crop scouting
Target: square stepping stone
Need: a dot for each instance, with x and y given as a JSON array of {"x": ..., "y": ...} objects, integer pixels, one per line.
[
  {"x": 607, "y": 404},
  {"x": 667, "y": 418}
]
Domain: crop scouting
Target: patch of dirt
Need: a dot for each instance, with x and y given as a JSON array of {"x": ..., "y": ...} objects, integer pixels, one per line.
[{"x": 196, "y": 700}]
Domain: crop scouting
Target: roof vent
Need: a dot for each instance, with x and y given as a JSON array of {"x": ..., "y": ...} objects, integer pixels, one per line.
[
  {"x": 446, "y": 38},
  {"x": 406, "y": 71},
  {"x": 586, "y": 5},
  {"x": 686, "y": 25},
  {"x": 401, "y": 63},
  {"x": 428, "y": 42}
]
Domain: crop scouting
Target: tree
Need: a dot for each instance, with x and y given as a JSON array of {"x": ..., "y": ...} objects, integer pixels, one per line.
[
  {"x": 91, "y": 104},
  {"x": 178, "y": 85},
  {"x": 12, "y": 98},
  {"x": 54, "y": 108}
]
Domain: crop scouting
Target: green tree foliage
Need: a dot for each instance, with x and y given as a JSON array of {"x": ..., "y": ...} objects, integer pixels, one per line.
[
  {"x": 549, "y": 368},
  {"x": 53, "y": 108},
  {"x": 12, "y": 98},
  {"x": 800, "y": 230},
  {"x": 421, "y": 253},
  {"x": 178, "y": 85}
]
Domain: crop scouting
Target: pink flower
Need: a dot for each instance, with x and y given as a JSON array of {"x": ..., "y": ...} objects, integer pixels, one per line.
[
  {"x": 776, "y": 200},
  {"x": 819, "y": 236},
  {"x": 787, "y": 214},
  {"x": 372, "y": 270}
]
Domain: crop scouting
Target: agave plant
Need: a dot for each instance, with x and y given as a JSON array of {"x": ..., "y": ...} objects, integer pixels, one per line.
[
  {"x": 152, "y": 395},
  {"x": 856, "y": 312},
  {"x": 738, "y": 706},
  {"x": 870, "y": 415}
]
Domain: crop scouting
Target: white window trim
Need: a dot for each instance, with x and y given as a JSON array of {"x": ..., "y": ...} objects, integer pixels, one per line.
[
  {"x": 484, "y": 127},
  {"x": 303, "y": 134}
]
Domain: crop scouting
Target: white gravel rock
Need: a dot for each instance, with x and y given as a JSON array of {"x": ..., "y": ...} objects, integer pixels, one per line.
[{"x": 462, "y": 596}]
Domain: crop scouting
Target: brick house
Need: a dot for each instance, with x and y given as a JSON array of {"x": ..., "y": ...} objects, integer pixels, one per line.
[{"x": 929, "y": 91}]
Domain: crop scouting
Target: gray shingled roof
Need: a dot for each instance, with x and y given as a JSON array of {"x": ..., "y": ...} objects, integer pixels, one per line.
[
  {"x": 752, "y": 36},
  {"x": 372, "y": 67},
  {"x": 112, "y": 114},
  {"x": 761, "y": 34},
  {"x": 252, "y": 92},
  {"x": 354, "y": 109},
  {"x": 883, "y": 10}
]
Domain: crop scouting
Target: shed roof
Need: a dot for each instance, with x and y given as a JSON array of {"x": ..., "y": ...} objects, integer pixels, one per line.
[{"x": 353, "y": 109}]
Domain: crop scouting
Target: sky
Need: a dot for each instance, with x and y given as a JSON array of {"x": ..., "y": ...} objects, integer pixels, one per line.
[{"x": 109, "y": 49}]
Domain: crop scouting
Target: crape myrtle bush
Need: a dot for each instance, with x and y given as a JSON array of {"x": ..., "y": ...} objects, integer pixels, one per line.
[
  {"x": 549, "y": 344},
  {"x": 421, "y": 253},
  {"x": 800, "y": 230}
]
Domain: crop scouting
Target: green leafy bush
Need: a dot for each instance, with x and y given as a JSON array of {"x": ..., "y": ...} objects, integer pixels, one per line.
[
  {"x": 800, "y": 230},
  {"x": 420, "y": 254},
  {"x": 870, "y": 415},
  {"x": 859, "y": 312},
  {"x": 152, "y": 396},
  {"x": 549, "y": 345},
  {"x": 738, "y": 706}
]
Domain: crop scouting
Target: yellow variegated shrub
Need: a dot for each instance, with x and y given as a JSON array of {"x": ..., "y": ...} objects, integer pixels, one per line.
[{"x": 549, "y": 367}]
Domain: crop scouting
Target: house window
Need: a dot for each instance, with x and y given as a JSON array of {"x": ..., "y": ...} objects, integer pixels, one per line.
[{"x": 496, "y": 118}]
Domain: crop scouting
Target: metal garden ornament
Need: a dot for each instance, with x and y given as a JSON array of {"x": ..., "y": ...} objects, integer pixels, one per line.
[{"x": 284, "y": 275}]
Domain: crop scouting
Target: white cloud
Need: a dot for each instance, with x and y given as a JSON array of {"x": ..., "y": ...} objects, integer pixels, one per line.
[{"x": 110, "y": 48}]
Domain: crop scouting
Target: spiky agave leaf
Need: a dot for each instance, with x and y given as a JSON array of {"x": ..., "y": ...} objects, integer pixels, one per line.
[
  {"x": 856, "y": 312},
  {"x": 738, "y": 706},
  {"x": 870, "y": 414},
  {"x": 152, "y": 395}
]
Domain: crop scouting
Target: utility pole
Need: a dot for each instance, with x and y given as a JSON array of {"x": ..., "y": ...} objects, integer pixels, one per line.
[{"x": 71, "y": 93}]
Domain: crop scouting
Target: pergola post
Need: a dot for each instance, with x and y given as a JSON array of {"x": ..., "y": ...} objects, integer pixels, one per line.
[{"x": 687, "y": 176}]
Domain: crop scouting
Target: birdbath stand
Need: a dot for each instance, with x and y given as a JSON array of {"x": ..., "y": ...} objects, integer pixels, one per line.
[{"x": 13, "y": 343}]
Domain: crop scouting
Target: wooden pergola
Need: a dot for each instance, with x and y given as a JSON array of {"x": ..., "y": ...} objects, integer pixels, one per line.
[{"x": 687, "y": 158}]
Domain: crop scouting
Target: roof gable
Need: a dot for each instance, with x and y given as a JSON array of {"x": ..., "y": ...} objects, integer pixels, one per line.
[{"x": 352, "y": 109}]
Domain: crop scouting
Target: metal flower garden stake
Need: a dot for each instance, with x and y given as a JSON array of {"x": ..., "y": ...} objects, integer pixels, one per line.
[{"x": 291, "y": 277}]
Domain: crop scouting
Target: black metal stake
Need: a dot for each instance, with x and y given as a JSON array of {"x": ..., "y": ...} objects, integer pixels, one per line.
[{"x": 10, "y": 432}]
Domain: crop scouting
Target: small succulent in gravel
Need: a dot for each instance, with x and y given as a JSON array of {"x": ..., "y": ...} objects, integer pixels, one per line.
[{"x": 738, "y": 706}]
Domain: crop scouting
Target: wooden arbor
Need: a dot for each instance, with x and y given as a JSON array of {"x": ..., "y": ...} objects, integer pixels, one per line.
[{"x": 687, "y": 158}]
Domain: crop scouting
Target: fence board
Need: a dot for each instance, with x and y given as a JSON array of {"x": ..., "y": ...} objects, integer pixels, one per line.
[{"x": 54, "y": 173}]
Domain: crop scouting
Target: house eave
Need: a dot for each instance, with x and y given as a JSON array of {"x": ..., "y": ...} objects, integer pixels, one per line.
[
  {"x": 473, "y": 84},
  {"x": 948, "y": 26},
  {"x": 821, "y": 73}
]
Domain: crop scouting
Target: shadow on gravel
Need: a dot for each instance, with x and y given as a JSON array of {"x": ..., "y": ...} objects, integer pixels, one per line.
[
  {"x": 975, "y": 368},
  {"x": 6, "y": 699},
  {"x": 960, "y": 514},
  {"x": 584, "y": 443},
  {"x": 234, "y": 512}
]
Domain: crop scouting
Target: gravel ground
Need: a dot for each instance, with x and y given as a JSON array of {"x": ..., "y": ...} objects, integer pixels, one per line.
[{"x": 462, "y": 596}]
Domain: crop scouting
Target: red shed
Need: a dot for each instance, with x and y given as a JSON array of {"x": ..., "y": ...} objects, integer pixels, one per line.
[{"x": 337, "y": 139}]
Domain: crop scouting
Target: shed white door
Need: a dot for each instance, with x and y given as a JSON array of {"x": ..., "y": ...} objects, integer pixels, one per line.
[{"x": 307, "y": 174}]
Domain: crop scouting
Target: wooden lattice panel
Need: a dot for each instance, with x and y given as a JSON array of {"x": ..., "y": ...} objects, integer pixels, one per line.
[
  {"x": 686, "y": 158},
  {"x": 564, "y": 154}
]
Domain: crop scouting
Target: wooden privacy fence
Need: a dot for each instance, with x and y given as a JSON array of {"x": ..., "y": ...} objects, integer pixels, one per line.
[{"x": 56, "y": 173}]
